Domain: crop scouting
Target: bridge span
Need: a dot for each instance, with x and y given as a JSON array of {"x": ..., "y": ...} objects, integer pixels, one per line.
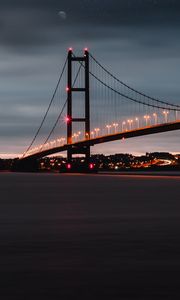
[
  {"x": 97, "y": 107},
  {"x": 160, "y": 128}
]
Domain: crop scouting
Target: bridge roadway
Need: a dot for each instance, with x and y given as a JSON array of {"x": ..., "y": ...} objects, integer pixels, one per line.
[{"x": 109, "y": 138}]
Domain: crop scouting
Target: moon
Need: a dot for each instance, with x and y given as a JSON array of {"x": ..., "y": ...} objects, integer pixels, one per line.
[{"x": 62, "y": 14}]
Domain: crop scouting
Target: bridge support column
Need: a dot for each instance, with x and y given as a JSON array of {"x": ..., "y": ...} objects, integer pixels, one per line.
[{"x": 84, "y": 60}]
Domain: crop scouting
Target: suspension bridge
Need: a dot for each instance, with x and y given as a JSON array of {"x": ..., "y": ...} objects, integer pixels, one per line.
[{"x": 90, "y": 105}]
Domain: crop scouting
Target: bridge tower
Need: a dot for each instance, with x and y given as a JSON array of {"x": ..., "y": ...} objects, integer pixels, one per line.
[{"x": 71, "y": 89}]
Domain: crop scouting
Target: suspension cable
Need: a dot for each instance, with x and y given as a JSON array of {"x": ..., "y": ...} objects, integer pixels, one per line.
[
  {"x": 49, "y": 106},
  {"x": 130, "y": 98},
  {"x": 127, "y": 86},
  {"x": 58, "y": 118}
]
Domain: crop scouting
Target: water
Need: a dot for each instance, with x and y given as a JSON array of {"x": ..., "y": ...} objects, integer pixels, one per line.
[{"x": 89, "y": 237}]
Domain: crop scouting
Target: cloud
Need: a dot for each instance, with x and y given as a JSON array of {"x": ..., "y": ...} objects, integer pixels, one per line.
[
  {"x": 136, "y": 39},
  {"x": 36, "y": 23}
]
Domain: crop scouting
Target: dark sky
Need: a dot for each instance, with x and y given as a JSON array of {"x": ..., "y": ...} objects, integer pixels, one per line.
[{"x": 129, "y": 36}]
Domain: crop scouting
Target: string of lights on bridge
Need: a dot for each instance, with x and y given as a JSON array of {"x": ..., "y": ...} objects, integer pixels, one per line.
[{"x": 109, "y": 129}]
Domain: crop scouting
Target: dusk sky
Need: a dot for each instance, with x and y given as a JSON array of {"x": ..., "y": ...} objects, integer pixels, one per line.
[{"x": 137, "y": 39}]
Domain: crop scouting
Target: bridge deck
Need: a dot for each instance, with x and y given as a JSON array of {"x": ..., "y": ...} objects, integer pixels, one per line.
[{"x": 109, "y": 138}]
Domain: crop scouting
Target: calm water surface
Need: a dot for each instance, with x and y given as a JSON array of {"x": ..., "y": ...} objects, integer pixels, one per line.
[{"x": 89, "y": 237}]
